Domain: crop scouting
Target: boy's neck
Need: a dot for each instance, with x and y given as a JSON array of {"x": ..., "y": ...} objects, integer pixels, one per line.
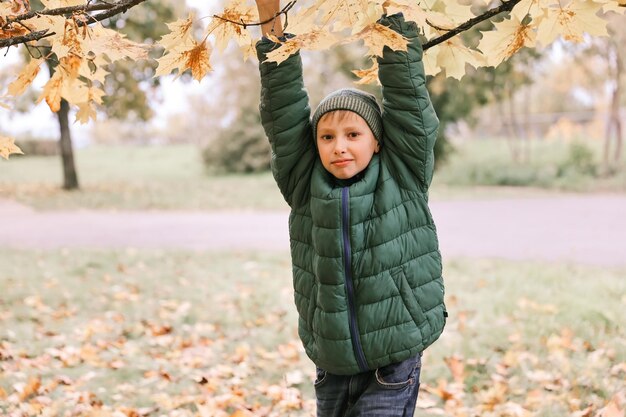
[{"x": 348, "y": 181}]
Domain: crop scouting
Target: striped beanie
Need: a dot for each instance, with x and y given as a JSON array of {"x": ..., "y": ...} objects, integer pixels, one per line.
[{"x": 359, "y": 102}]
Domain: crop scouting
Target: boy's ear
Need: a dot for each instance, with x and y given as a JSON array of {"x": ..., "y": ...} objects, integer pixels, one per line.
[{"x": 377, "y": 149}]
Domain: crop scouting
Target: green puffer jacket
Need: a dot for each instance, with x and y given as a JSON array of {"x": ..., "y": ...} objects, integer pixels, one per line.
[{"x": 366, "y": 263}]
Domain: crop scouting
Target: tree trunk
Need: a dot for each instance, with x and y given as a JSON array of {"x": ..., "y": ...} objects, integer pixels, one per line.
[
  {"x": 70, "y": 177},
  {"x": 513, "y": 125},
  {"x": 616, "y": 102}
]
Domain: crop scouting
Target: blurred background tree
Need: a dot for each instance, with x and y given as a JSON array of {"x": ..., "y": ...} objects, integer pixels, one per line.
[{"x": 128, "y": 83}]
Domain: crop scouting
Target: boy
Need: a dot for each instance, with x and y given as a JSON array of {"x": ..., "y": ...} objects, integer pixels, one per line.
[{"x": 366, "y": 264}]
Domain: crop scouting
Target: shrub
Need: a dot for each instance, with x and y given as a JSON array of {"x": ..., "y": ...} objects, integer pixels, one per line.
[
  {"x": 240, "y": 148},
  {"x": 580, "y": 160},
  {"x": 38, "y": 147}
]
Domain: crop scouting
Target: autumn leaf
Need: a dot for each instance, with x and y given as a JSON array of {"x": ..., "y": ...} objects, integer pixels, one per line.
[
  {"x": 355, "y": 15},
  {"x": 14, "y": 7},
  {"x": 536, "y": 9},
  {"x": 87, "y": 109},
  {"x": 8, "y": 147},
  {"x": 5, "y": 9},
  {"x": 377, "y": 36},
  {"x": 457, "y": 368},
  {"x": 180, "y": 33},
  {"x": 11, "y": 9},
  {"x": 25, "y": 77},
  {"x": 224, "y": 30},
  {"x": 52, "y": 91},
  {"x": 431, "y": 67},
  {"x": 508, "y": 37},
  {"x": 452, "y": 56},
  {"x": 369, "y": 75},
  {"x": 194, "y": 56},
  {"x": 103, "y": 41},
  {"x": 318, "y": 39},
  {"x": 55, "y": 4},
  {"x": 410, "y": 9},
  {"x": 571, "y": 22},
  {"x": 612, "y": 409},
  {"x": 29, "y": 389}
]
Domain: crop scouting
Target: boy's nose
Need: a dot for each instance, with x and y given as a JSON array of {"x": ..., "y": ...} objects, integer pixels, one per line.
[{"x": 340, "y": 146}]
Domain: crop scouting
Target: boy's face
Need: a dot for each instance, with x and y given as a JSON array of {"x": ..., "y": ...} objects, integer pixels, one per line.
[{"x": 345, "y": 143}]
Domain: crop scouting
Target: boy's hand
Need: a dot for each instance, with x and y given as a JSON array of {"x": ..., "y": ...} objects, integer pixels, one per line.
[{"x": 269, "y": 9}]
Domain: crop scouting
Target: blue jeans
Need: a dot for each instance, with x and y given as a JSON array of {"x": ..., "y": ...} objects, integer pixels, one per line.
[{"x": 390, "y": 391}]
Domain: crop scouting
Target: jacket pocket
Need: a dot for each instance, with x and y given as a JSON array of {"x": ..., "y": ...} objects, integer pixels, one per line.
[{"x": 408, "y": 296}]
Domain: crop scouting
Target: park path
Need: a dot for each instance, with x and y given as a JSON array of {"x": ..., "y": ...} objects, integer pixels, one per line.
[{"x": 586, "y": 229}]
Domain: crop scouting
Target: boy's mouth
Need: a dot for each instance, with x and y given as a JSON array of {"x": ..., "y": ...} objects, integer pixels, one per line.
[{"x": 341, "y": 162}]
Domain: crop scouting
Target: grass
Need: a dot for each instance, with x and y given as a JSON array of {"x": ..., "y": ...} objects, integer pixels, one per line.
[
  {"x": 174, "y": 333},
  {"x": 172, "y": 177},
  {"x": 135, "y": 178},
  {"x": 550, "y": 165}
]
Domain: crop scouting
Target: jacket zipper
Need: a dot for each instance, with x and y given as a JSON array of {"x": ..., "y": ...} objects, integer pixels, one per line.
[{"x": 347, "y": 259}]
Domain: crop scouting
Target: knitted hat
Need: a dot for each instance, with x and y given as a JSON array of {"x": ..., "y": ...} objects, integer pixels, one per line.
[{"x": 359, "y": 102}]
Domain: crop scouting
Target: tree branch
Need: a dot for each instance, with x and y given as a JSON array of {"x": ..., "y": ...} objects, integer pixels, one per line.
[
  {"x": 246, "y": 24},
  {"x": 506, "y": 6},
  {"x": 112, "y": 9}
]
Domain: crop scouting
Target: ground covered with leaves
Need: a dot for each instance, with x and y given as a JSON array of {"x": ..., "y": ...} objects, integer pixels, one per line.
[{"x": 134, "y": 333}]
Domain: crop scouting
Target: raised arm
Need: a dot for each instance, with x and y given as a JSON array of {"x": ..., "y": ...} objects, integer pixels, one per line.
[
  {"x": 285, "y": 113},
  {"x": 409, "y": 121}
]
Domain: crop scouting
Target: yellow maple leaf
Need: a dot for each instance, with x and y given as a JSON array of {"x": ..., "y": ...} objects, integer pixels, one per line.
[
  {"x": 571, "y": 22},
  {"x": 224, "y": 30},
  {"x": 86, "y": 112},
  {"x": 93, "y": 68},
  {"x": 71, "y": 64},
  {"x": 198, "y": 60},
  {"x": 377, "y": 36},
  {"x": 8, "y": 147},
  {"x": 317, "y": 39},
  {"x": 452, "y": 56},
  {"x": 508, "y": 37},
  {"x": 369, "y": 75},
  {"x": 14, "y": 7},
  {"x": 195, "y": 57},
  {"x": 101, "y": 40},
  {"x": 5, "y": 9},
  {"x": 350, "y": 14},
  {"x": 180, "y": 33},
  {"x": 55, "y": 4},
  {"x": 536, "y": 9},
  {"x": 431, "y": 67},
  {"x": 52, "y": 91},
  {"x": 618, "y": 7},
  {"x": 411, "y": 10},
  {"x": 74, "y": 90},
  {"x": 459, "y": 13},
  {"x": 25, "y": 77}
]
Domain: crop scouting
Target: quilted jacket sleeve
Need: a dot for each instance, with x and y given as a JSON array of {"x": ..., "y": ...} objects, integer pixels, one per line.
[
  {"x": 409, "y": 121},
  {"x": 285, "y": 114}
]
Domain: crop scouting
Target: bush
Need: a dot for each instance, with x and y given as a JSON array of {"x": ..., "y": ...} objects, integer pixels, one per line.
[
  {"x": 38, "y": 147},
  {"x": 241, "y": 148},
  {"x": 580, "y": 160}
]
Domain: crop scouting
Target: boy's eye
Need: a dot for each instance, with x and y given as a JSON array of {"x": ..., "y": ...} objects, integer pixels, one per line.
[
  {"x": 326, "y": 137},
  {"x": 353, "y": 134}
]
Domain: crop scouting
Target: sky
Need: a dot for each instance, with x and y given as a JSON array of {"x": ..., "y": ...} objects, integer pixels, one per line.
[{"x": 40, "y": 122}]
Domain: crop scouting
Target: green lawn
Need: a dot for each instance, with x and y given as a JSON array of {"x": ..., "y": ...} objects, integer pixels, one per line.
[
  {"x": 195, "y": 333},
  {"x": 172, "y": 177}
]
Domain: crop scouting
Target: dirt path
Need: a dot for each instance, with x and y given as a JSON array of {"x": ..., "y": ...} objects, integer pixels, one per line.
[{"x": 580, "y": 229}]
